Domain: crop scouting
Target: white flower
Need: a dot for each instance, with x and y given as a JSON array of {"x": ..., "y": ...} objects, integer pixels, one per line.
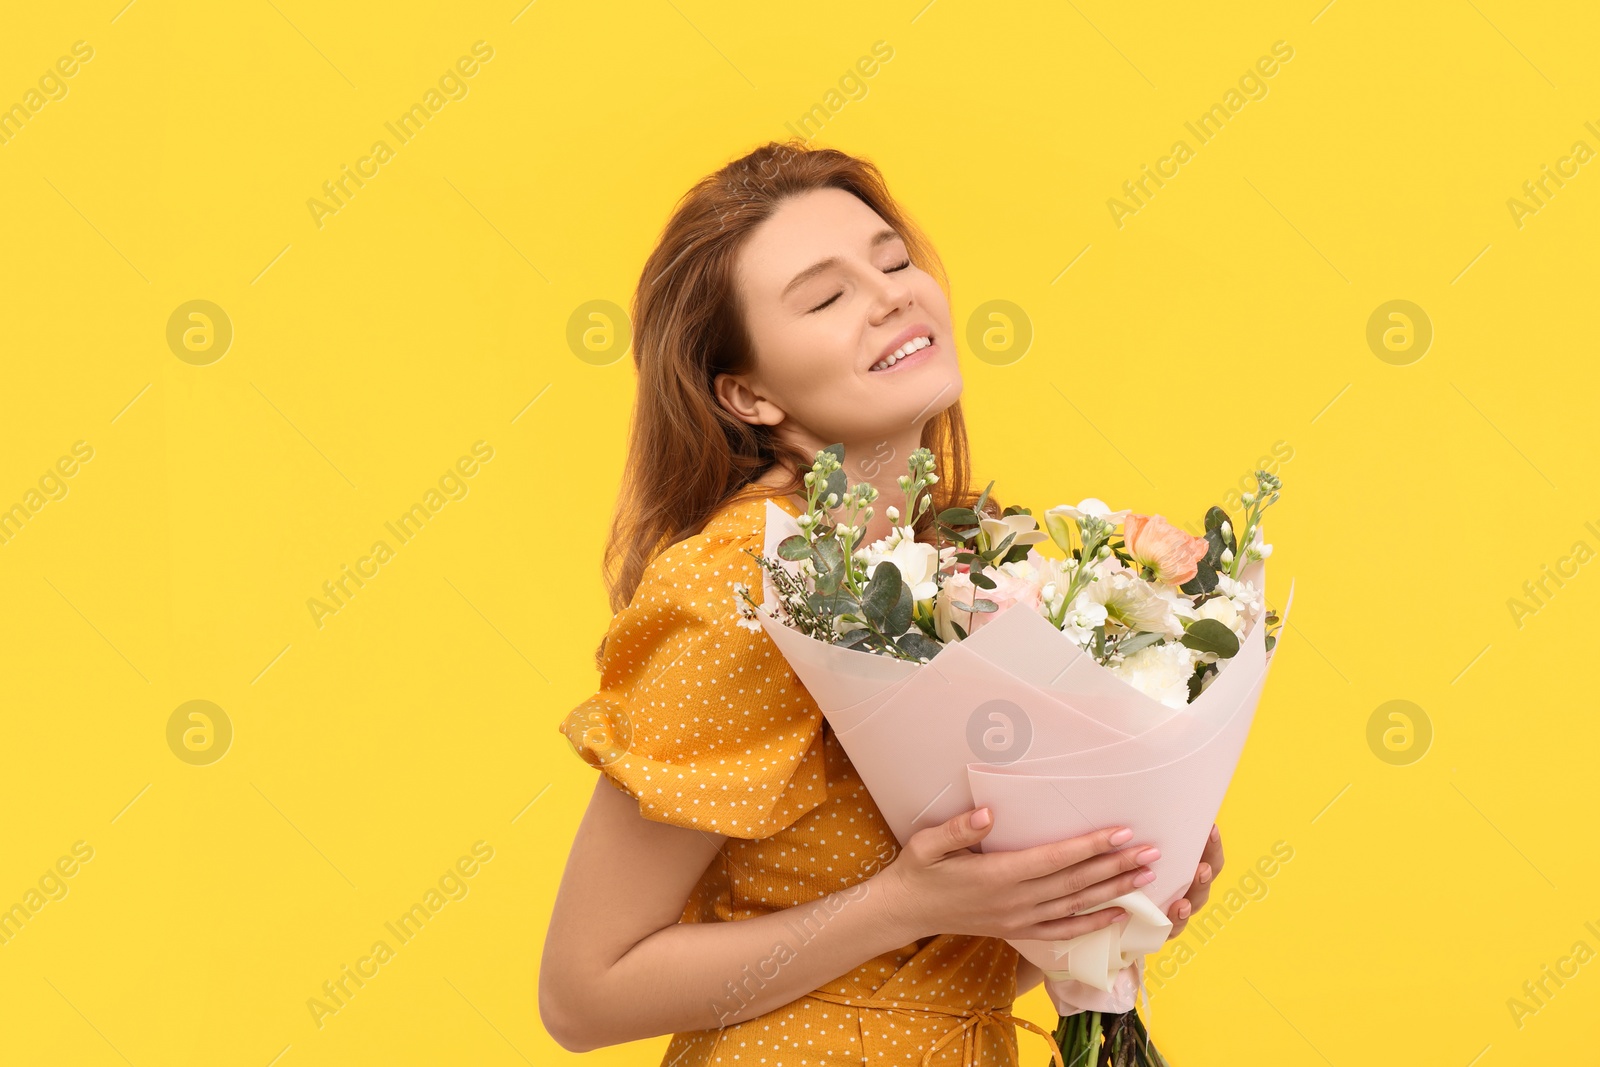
[
  {"x": 1091, "y": 506},
  {"x": 750, "y": 624},
  {"x": 1063, "y": 519},
  {"x": 917, "y": 563},
  {"x": 1225, "y": 611},
  {"x": 1132, "y": 602},
  {"x": 1026, "y": 528},
  {"x": 1245, "y": 596},
  {"x": 843, "y": 625},
  {"x": 1160, "y": 672},
  {"x": 1081, "y": 619}
]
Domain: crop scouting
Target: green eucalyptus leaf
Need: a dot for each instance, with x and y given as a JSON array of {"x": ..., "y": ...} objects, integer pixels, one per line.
[
  {"x": 883, "y": 594},
  {"x": 964, "y": 516},
  {"x": 982, "y": 580},
  {"x": 1129, "y": 645},
  {"x": 795, "y": 547},
  {"x": 983, "y": 497},
  {"x": 855, "y": 638},
  {"x": 984, "y": 606},
  {"x": 832, "y": 605},
  {"x": 827, "y": 556},
  {"x": 920, "y": 647},
  {"x": 898, "y": 621},
  {"x": 1210, "y": 635},
  {"x": 1215, "y": 517}
]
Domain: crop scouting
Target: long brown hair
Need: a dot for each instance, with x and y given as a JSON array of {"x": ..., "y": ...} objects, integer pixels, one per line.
[{"x": 688, "y": 456}]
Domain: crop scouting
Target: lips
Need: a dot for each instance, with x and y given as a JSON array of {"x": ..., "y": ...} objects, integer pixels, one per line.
[
  {"x": 921, "y": 355},
  {"x": 910, "y": 333}
]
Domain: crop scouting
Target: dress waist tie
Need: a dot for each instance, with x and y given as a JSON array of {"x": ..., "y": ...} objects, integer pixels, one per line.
[{"x": 970, "y": 1031}]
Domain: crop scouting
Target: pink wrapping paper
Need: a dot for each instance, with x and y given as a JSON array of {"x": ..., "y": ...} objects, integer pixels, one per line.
[{"x": 1019, "y": 719}]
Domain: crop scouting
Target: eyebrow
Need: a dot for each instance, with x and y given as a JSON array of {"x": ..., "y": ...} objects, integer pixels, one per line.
[{"x": 879, "y": 238}]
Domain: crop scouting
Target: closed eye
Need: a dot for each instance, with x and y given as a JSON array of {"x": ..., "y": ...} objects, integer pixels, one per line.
[{"x": 835, "y": 296}]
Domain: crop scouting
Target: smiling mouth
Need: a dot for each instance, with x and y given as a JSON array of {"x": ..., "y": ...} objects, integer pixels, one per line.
[{"x": 914, "y": 351}]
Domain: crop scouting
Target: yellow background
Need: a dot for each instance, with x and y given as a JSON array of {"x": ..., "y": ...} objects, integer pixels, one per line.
[{"x": 431, "y": 312}]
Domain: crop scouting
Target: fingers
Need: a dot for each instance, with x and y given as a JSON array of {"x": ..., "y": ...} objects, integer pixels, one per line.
[
  {"x": 1048, "y": 858},
  {"x": 1212, "y": 854},
  {"x": 1076, "y": 926},
  {"x": 1081, "y": 876},
  {"x": 962, "y": 831},
  {"x": 1180, "y": 914},
  {"x": 1097, "y": 893}
]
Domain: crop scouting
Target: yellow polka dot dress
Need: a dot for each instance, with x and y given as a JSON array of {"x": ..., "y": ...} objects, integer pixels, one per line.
[{"x": 705, "y": 725}]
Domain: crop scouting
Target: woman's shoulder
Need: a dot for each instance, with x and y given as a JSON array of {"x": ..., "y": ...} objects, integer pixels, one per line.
[{"x": 736, "y": 529}]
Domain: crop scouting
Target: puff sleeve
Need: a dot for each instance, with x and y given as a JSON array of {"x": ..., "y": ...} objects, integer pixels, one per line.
[{"x": 699, "y": 719}]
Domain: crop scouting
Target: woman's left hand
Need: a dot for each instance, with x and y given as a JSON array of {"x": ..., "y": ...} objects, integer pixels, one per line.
[{"x": 1200, "y": 889}]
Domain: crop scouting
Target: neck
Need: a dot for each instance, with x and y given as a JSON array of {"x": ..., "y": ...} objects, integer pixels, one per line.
[{"x": 879, "y": 460}]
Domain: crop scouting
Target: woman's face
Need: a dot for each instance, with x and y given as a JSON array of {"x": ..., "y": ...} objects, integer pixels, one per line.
[{"x": 828, "y": 292}]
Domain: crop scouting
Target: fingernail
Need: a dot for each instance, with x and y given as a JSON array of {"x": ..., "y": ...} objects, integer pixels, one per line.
[
  {"x": 1205, "y": 873},
  {"x": 980, "y": 818},
  {"x": 1149, "y": 855},
  {"x": 1145, "y": 878},
  {"x": 1121, "y": 836},
  {"x": 1183, "y": 909}
]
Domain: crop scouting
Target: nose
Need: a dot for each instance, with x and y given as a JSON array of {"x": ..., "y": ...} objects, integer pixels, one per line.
[{"x": 893, "y": 294}]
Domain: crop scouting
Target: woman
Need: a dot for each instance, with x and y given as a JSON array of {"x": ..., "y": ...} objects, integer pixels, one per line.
[{"x": 732, "y": 882}]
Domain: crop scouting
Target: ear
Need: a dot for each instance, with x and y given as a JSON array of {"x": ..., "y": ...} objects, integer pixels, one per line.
[{"x": 737, "y": 395}]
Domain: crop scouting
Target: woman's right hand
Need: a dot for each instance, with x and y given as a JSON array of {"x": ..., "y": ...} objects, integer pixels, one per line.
[{"x": 936, "y": 886}]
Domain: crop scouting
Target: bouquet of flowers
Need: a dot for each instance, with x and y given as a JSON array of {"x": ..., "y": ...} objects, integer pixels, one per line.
[{"x": 1112, "y": 685}]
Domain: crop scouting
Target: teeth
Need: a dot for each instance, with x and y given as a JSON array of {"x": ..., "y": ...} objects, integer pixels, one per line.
[{"x": 902, "y": 352}]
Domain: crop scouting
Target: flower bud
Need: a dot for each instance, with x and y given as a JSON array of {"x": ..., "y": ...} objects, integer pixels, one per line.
[
  {"x": 1227, "y": 555},
  {"x": 893, "y": 513}
]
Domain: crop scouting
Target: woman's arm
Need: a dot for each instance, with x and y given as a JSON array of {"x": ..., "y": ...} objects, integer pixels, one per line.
[
  {"x": 618, "y": 966},
  {"x": 1028, "y": 976}
]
